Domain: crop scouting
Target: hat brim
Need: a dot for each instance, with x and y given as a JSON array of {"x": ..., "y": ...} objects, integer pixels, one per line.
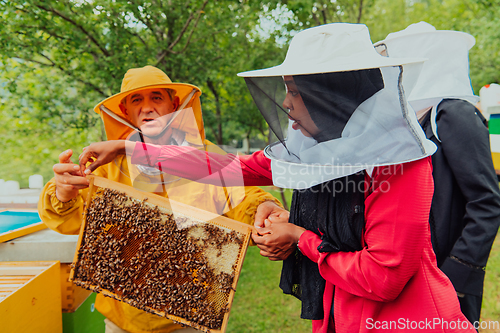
[
  {"x": 341, "y": 65},
  {"x": 469, "y": 39},
  {"x": 182, "y": 91}
]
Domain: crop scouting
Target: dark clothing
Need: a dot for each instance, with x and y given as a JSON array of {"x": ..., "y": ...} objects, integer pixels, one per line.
[
  {"x": 470, "y": 305},
  {"x": 333, "y": 210},
  {"x": 465, "y": 212}
]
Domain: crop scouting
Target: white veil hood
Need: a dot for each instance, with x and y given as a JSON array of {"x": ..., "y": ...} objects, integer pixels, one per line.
[{"x": 446, "y": 72}]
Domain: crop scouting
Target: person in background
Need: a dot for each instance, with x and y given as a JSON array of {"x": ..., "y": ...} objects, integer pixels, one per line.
[
  {"x": 149, "y": 109},
  {"x": 465, "y": 212}
]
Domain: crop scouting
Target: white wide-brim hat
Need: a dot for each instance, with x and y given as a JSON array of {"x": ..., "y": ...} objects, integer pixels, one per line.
[
  {"x": 426, "y": 28},
  {"x": 335, "y": 47},
  {"x": 446, "y": 72}
]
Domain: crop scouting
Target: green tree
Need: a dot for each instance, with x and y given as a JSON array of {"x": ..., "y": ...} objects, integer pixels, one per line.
[
  {"x": 485, "y": 55},
  {"x": 317, "y": 12},
  {"x": 476, "y": 17},
  {"x": 31, "y": 140},
  {"x": 480, "y": 18},
  {"x": 59, "y": 58}
]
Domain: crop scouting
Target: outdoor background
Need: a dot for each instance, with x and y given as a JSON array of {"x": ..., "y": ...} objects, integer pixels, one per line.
[{"x": 60, "y": 58}]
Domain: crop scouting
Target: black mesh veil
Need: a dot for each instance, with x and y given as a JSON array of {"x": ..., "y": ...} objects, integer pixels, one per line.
[
  {"x": 329, "y": 100},
  {"x": 268, "y": 94},
  {"x": 335, "y": 124}
]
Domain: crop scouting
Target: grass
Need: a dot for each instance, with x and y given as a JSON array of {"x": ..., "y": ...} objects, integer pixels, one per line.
[
  {"x": 491, "y": 292},
  {"x": 259, "y": 304}
]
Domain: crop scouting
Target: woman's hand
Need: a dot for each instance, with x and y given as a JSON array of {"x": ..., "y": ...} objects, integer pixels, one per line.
[
  {"x": 269, "y": 212},
  {"x": 100, "y": 153},
  {"x": 278, "y": 240}
]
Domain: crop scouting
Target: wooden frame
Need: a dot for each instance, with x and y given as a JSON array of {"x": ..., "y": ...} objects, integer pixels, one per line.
[{"x": 186, "y": 210}]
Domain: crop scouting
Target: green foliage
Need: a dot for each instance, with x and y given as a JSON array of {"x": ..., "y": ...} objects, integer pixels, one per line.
[
  {"x": 317, "y": 12},
  {"x": 477, "y": 18},
  {"x": 37, "y": 124},
  {"x": 60, "y": 58},
  {"x": 485, "y": 55}
]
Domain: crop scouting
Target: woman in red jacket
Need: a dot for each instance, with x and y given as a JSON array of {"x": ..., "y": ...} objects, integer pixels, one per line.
[{"x": 357, "y": 248}]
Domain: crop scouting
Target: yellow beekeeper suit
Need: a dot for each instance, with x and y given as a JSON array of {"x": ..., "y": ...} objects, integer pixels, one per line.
[{"x": 66, "y": 217}]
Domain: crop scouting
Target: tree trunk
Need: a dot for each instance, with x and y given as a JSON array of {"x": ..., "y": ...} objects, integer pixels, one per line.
[{"x": 218, "y": 113}]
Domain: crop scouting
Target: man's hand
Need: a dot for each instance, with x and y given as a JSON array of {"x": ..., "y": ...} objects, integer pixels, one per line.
[
  {"x": 68, "y": 178},
  {"x": 268, "y": 212},
  {"x": 100, "y": 153},
  {"x": 278, "y": 241}
]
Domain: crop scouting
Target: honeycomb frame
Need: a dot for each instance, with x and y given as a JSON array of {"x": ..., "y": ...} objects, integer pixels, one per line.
[{"x": 189, "y": 278}]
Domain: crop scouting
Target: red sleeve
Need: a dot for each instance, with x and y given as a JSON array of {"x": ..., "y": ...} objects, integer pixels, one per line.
[
  {"x": 258, "y": 167},
  {"x": 396, "y": 227},
  {"x": 206, "y": 167}
]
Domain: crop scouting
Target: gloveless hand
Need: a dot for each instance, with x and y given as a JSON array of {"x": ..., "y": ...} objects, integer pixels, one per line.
[
  {"x": 101, "y": 153},
  {"x": 270, "y": 210},
  {"x": 278, "y": 240},
  {"x": 68, "y": 177}
]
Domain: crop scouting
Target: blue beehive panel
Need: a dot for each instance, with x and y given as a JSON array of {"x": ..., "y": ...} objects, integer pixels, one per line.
[{"x": 10, "y": 220}]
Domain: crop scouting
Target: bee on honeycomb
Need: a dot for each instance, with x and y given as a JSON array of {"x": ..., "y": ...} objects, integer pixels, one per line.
[{"x": 135, "y": 252}]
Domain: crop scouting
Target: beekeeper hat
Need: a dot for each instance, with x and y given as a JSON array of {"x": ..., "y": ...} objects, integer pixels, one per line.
[
  {"x": 446, "y": 72},
  {"x": 426, "y": 28},
  {"x": 369, "y": 124},
  {"x": 147, "y": 77},
  {"x": 117, "y": 125},
  {"x": 336, "y": 47}
]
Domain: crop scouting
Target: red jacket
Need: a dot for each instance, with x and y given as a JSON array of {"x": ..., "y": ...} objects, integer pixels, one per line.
[{"x": 393, "y": 283}]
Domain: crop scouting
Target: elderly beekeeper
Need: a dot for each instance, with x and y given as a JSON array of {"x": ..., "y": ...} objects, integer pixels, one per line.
[{"x": 150, "y": 108}]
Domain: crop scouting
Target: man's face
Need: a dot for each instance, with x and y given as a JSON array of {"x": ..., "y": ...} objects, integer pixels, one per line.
[{"x": 148, "y": 109}]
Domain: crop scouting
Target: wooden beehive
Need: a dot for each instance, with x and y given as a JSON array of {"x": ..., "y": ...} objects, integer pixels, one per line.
[
  {"x": 183, "y": 265},
  {"x": 72, "y": 296},
  {"x": 30, "y": 297}
]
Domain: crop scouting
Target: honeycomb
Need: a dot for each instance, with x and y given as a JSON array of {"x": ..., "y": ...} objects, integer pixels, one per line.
[{"x": 169, "y": 264}]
